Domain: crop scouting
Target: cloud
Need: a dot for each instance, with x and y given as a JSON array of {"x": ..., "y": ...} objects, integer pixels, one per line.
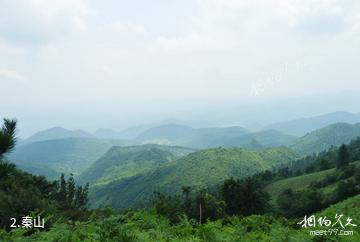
[
  {"x": 38, "y": 21},
  {"x": 128, "y": 27},
  {"x": 10, "y": 75},
  {"x": 122, "y": 51},
  {"x": 225, "y": 24}
]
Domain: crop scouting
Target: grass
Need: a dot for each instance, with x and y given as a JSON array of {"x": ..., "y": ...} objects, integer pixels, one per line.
[{"x": 296, "y": 183}]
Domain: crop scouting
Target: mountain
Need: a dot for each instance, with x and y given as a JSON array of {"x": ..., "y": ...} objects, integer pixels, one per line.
[
  {"x": 204, "y": 168},
  {"x": 121, "y": 162},
  {"x": 261, "y": 139},
  {"x": 324, "y": 138},
  {"x": 71, "y": 155},
  {"x": 211, "y": 137},
  {"x": 126, "y": 134},
  {"x": 135, "y": 131},
  {"x": 57, "y": 133},
  {"x": 300, "y": 127},
  {"x": 191, "y": 123},
  {"x": 166, "y": 133},
  {"x": 203, "y": 138},
  {"x": 107, "y": 134}
]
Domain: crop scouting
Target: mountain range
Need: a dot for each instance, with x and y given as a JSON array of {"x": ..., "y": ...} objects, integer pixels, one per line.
[
  {"x": 57, "y": 150},
  {"x": 300, "y": 127}
]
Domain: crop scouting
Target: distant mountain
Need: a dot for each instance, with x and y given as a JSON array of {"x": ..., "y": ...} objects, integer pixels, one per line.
[
  {"x": 204, "y": 168},
  {"x": 211, "y": 137},
  {"x": 324, "y": 138},
  {"x": 261, "y": 139},
  {"x": 71, "y": 155},
  {"x": 167, "y": 132},
  {"x": 121, "y": 162},
  {"x": 214, "y": 137},
  {"x": 107, "y": 134},
  {"x": 300, "y": 127},
  {"x": 135, "y": 131},
  {"x": 191, "y": 123},
  {"x": 57, "y": 133}
]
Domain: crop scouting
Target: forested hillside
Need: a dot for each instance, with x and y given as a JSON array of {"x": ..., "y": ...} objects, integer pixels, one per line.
[
  {"x": 324, "y": 138},
  {"x": 52, "y": 157},
  {"x": 122, "y": 162},
  {"x": 201, "y": 169}
]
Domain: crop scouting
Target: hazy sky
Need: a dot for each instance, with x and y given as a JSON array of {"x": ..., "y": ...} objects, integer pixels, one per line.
[{"x": 92, "y": 64}]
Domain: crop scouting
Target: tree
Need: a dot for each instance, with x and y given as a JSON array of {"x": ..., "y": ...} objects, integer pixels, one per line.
[
  {"x": 70, "y": 196},
  {"x": 7, "y": 136},
  {"x": 187, "y": 204},
  {"x": 343, "y": 157},
  {"x": 168, "y": 206},
  {"x": 244, "y": 197},
  {"x": 299, "y": 203},
  {"x": 207, "y": 207},
  {"x": 324, "y": 164},
  {"x": 346, "y": 189}
]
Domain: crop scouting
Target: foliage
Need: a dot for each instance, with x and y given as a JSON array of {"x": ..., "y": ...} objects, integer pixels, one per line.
[
  {"x": 324, "y": 138},
  {"x": 22, "y": 193},
  {"x": 148, "y": 226},
  {"x": 200, "y": 169},
  {"x": 121, "y": 162},
  {"x": 7, "y": 137},
  {"x": 53, "y": 157},
  {"x": 244, "y": 197},
  {"x": 343, "y": 157}
]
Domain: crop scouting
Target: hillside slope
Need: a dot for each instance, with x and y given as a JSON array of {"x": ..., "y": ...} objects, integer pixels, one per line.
[
  {"x": 200, "y": 169},
  {"x": 204, "y": 138},
  {"x": 296, "y": 183},
  {"x": 322, "y": 139},
  {"x": 57, "y": 133},
  {"x": 122, "y": 162},
  {"x": 300, "y": 127},
  {"x": 71, "y": 155}
]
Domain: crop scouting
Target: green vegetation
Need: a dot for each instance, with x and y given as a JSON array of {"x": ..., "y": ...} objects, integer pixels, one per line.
[
  {"x": 325, "y": 138},
  {"x": 219, "y": 194},
  {"x": 122, "y": 162},
  {"x": 7, "y": 137},
  {"x": 201, "y": 169},
  {"x": 22, "y": 193},
  {"x": 147, "y": 225},
  {"x": 296, "y": 183},
  {"x": 71, "y": 155}
]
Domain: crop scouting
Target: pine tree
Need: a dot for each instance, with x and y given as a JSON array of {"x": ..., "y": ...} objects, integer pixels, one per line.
[
  {"x": 7, "y": 136},
  {"x": 343, "y": 157}
]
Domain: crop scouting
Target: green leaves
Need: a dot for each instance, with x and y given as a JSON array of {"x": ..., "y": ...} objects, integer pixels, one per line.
[{"x": 7, "y": 136}]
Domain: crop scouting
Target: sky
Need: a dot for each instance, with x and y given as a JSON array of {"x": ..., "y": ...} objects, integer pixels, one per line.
[{"x": 113, "y": 63}]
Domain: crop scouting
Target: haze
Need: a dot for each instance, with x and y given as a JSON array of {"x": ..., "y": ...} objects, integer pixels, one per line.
[{"x": 113, "y": 64}]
